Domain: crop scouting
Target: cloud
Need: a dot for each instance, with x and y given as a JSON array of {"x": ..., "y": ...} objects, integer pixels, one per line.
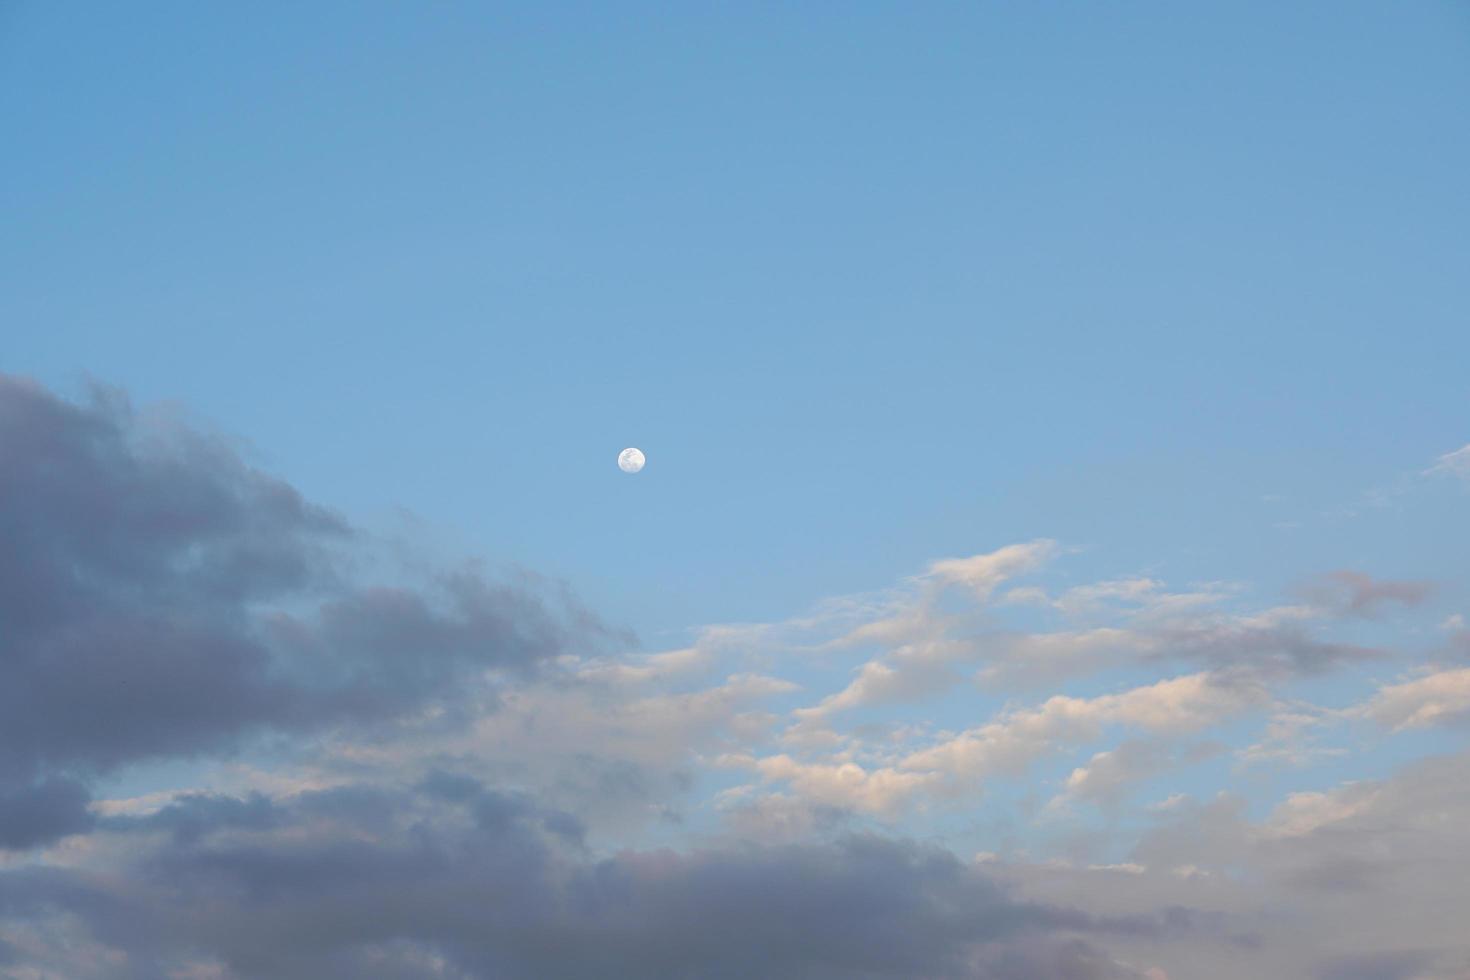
[
  {"x": 42, "y": 812},
  {"x": 982, "y": 573},
  {"x": 650, "y": 667},
  {"x": 1273, "y": 643},
  {"x": 161, "y": 599},
  {"x": 614, "y": 750},
  {"x": 847, "y": 784},
  {"x": 1348, "y": 592},
  {"x": 190, "y": 816},
  {"x": 1456, "y": 463},
  {"x": 1306, "y": 813},
  {"x": 1440, "y": 698},
  {"x": 1109, "y": 775},
  {"x": 1144, "y": 598},
  {"x": 1291, "y": 737},
  {"x": 916, "y": 673},
  {"x": 389, "y": 769},
  {"x": 458, "y": 880},
  {"x": 955, "y": 765},
  {"x": 924, "y": 652},
  {"x": 1353, "y": 876},
  {"x": 1405, "y": 964},
  {"x": 1174, "y": 706}
]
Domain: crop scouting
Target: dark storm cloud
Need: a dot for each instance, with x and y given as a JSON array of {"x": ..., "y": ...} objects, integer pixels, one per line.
[
  {"x": 273, "y": 891},
  {"x": 159, "y": 597}
]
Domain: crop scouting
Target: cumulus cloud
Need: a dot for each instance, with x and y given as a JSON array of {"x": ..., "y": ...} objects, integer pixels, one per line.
[
  {"x": 982, "y": 573},
  {"x": 846, "y": 784},
  {"x": 1109, "y": 775},
  {"x": 1363, "y": 875},
  {"x": 161, "y": 598},
  {"x": 1439, "y": 698}
]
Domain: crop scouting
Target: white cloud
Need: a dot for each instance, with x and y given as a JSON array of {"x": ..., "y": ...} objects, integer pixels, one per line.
[
  {"x": 1437, "y": 699},
  {"x": 847, "y": 785},
  {"x": 1305, "y": 813},
  {"x": 982, "y": 573},
  {"x": 1456, "y": 463},
  {"x": 650, "y": 667},
  {"x": 1009, "y": 744},
  {"x": 1110, "y": 774}
]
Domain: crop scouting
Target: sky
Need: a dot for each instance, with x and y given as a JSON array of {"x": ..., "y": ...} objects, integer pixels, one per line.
[{"x": 1051, "y": 559}]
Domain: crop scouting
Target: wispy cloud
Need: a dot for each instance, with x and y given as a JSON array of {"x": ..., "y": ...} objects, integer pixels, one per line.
[{"x": 1455, "y": 463}]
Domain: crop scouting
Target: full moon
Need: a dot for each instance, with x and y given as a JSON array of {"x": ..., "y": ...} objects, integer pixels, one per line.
[{"x": 630, "y": 460}]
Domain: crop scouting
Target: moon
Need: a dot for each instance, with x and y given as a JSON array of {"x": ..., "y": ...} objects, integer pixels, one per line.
[{"x": 631, "y": 460}]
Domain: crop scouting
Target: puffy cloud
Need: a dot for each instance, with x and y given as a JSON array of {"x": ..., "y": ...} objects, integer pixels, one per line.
[
  {"x": 982, "y": 573},
  {"x": 1440, "y": 698},
  {"x": 1306, "y": 813},
  {"x": 1349, "y": 878},
  {"x": 162, "y": 598},
  {"x": 914, "y": 674},
  {"x": 617, "y": 752},
  {"x": 846, "y": 785},
  {"x": 1109, "y": 775}
]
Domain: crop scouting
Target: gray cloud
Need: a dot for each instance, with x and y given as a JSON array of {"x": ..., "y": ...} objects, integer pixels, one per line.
[
  {"x": 1110, "y": 776},
  {"x": 161, "y": 598},
  {"x": 1354, "y": 593},
  {"x": 1396, "y": 965},
  {"x": 372, "y": 882},
  {"x": 41, "y": 812},
  {"x": 1270, "y": 650},
  {"x": 193, "y": 815}
]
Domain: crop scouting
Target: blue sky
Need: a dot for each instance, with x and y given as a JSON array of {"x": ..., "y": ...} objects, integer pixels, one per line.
[
  {"x": 869, "y": 288},
  {"x": 1154, "y": 316}
]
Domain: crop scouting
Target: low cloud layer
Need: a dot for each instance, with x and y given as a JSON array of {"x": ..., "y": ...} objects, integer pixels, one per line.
[{"x": 452, "y": 879}]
